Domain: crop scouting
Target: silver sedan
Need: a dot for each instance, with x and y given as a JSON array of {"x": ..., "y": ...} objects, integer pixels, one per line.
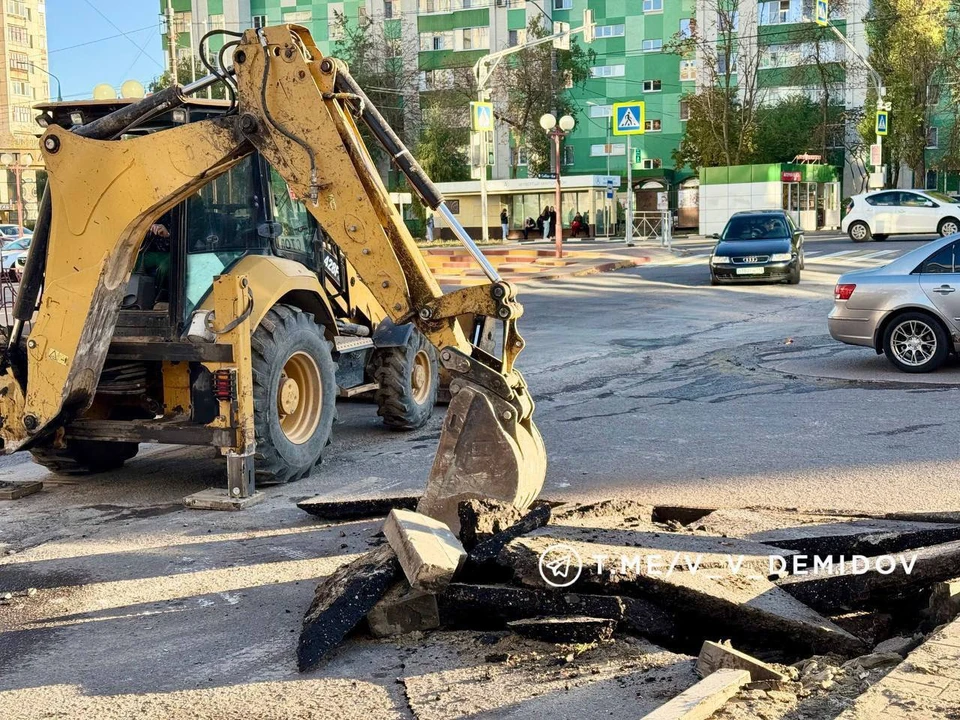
[{"x": 909, "y": 309}]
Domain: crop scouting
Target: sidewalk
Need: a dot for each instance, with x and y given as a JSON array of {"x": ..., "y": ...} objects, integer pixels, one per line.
[
  {"x": 926, "y": 685},
  {"x": 536, "y": 261}
]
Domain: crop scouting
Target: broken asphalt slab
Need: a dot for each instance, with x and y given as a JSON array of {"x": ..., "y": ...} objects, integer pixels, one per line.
[
  {"x": 865, "y": 580},
  {"x": 742, "y": 604},
  {"x": 825, "y": 535},
  {"x": 342, "y": 600},
  {"x": 568, "y": 629},
  {"x": 327, "y": 508}
]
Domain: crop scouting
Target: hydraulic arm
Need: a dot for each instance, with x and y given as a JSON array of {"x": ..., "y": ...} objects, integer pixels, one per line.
[{"x": 300, "y": 111}]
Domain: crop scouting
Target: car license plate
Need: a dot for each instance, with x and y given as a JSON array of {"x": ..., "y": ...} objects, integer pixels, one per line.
[{"x": 750, "y": 271}]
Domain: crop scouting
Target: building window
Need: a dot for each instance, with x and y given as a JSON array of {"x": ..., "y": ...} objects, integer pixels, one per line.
[
  {"x": 517, "y": 37},
  {"x": 652, "y": 164},
  {"x": 473, "y": 39},
  {"x": 608, "y": 31},
  {"x": 387, "y": 9},
  {"x": 562, "y": 4},
  {"x": 687, "y": 26},
  {"x": 19, "y": 61},
  {"x": 779, "y": 12},
  {"x": 652, "y": 126},
  {"x": 19, "y": 9},
  {"x": 20, "y": 88},
  {"x": 652, "y": 45},
  {"x": 684, "y": 110},
  {"x": 652, "y": 85},
  {"x": 933, "y": 138},
  {"x": 688, "y": 69},
  {"x": 18, "y": 34},
  {"x": 301, "y": 16},
  {"x": 728, "y": 21},
  {"x": 259, "y": 21},
  {"x": 722, "y": 64},
  {"x": 437, "y": 42},
  {"x": 605, "y": 71},
  {"x": 601, "y": 111},
  {"x": 22, "y": 114},
  {"x": 931, "y": 183},
  {"x": 567, "y": 158},
  {"x": 608, "y": 150},
  {"x": 652, "y": 6},
  {"x": 522, "y": 157}
]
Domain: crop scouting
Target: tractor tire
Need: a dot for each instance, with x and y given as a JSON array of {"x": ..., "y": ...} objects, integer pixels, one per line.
[
  {"x": 84, "y": 457},
  {"x": 294, "y": 394},
  {"x": 408, "y": 379}
]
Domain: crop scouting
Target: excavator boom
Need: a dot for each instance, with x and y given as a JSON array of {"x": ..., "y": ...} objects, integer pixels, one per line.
[{"x": 300, "y": 111}]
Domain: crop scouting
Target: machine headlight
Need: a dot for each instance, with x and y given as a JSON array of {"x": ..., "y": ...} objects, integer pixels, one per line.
[
  {"x": 719, "y": 260},
  {"x": 781, "y": 257}
]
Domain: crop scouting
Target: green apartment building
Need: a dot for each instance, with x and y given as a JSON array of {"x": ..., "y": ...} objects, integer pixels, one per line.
[{"x": 431, "y": 37}]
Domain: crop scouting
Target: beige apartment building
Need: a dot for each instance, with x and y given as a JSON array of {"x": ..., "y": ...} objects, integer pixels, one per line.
[{"x": 23, "y": 83}]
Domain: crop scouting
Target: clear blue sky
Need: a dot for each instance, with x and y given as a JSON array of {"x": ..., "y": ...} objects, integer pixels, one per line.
[{"x": 101, "y": 60}]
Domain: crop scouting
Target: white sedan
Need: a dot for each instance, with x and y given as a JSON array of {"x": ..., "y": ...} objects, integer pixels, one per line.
[{"x": 875, "y": 215}]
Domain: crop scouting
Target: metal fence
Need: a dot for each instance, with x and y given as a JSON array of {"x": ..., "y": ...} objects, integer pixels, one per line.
[{"x": 656, "y": 225}]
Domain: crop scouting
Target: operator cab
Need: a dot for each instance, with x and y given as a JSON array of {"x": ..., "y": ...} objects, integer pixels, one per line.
[{"x": 248, "y": 210}]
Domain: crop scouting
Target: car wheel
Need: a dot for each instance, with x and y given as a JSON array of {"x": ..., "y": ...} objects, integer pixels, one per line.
[
  {"x": 794, "y": 278},
  {"x": 915, "y": 343},
  {"x": 948, "y": 226},
  {"x": 714, "y": 280},
  {"x": 859, "y": 232}
]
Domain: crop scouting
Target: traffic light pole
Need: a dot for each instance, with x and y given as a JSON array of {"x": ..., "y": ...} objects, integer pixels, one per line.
[{"x": 483, "y": 71}]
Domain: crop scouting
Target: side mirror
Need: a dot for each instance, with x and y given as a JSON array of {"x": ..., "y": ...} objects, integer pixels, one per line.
[
  {"x": 715, "y": 236},
  {"x": 270, "y": 230}
]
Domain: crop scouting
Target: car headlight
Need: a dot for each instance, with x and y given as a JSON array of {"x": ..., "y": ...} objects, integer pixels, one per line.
[
  {"x": 781, "y": 257},
  {"x": 719, "y": 260}
]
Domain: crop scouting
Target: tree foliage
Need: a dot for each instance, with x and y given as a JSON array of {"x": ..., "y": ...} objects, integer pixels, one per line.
[
  {"x": 188, "y": 70},
  {"x": 909, "y": 48},
  {"x": 536, "y": 81}
]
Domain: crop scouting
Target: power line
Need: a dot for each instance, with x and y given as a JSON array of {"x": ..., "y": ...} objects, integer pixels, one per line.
[{"x": 116, "y": 27}]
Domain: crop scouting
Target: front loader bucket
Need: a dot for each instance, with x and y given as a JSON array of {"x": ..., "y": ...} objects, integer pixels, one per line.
[{"x": 484, "y": 452}]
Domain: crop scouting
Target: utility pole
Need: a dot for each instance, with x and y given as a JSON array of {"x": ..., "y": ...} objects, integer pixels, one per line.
[
  {"x": 171, "y": 42},
  {"x": 629, "y": 230}
]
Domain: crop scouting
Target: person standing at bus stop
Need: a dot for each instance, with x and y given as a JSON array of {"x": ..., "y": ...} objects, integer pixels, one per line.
[{"x": 504, "y": 223}]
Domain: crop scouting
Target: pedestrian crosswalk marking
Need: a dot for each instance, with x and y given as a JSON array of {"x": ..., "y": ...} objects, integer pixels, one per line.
[{"x": 850, "y": 258}]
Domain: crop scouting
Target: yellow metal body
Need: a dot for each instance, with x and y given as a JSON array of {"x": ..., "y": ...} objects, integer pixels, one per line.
[{"x": 106, "y": 194}]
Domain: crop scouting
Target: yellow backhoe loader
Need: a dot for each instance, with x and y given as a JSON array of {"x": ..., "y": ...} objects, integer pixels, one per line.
[{"x": 250, "y": 368}]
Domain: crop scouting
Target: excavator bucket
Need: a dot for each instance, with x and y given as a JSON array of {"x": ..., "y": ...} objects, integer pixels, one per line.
[{"x": 485, "y": 451}]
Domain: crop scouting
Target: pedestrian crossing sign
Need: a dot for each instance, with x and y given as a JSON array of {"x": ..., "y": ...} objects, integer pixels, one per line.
[
  {"x": 823, "y": 13},
  {"x": 481, "y": 115},
  {"x": 628, "y": 118},
  {"x": 883, "y": 122}
]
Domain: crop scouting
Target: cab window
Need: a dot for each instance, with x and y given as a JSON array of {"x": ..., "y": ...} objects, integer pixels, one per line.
[
  {"x": 296, "y": 225},
  {"x": 221, "y": 227}
]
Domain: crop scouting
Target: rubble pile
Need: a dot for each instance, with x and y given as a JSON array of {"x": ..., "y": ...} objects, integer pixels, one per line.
[{"x": 819, "y": 607}]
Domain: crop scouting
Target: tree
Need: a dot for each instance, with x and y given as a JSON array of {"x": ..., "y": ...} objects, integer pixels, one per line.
[
  {"x": 724, "y": 109},
  {"x": 188, "y": 69},
  {"x": 533, "y": 82},
  {"x": 787, "y": 129},
  {"x": 908, "y": 47},
  {"x": 441, "y": 150}
]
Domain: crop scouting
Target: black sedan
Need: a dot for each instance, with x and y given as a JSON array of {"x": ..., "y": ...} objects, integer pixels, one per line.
[{"x": 758, "y": 245}]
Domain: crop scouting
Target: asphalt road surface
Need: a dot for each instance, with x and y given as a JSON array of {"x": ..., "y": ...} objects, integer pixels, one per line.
[{"x": 649, "y": 383}]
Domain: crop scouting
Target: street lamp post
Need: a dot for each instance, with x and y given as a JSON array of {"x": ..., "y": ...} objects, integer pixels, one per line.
[
  {"x": 557, "y": 131},
  {"x": 37, "y": 67},
  {"x": 18, "y": 165}
]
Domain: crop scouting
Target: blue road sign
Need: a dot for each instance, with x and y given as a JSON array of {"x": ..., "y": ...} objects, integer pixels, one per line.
[
  {"x": 628, "y": 118},
  {"x": 883, "y": 122},
  {"x": 823, "y": 13}
]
